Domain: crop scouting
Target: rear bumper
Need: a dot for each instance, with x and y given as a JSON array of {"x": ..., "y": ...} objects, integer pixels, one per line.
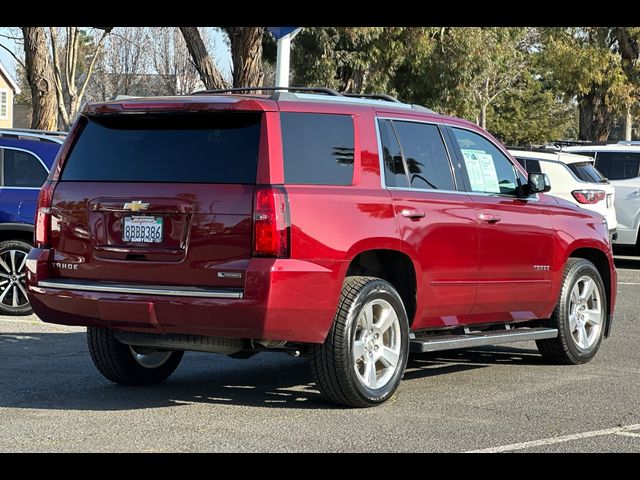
[{"x": 283, "y": 299}]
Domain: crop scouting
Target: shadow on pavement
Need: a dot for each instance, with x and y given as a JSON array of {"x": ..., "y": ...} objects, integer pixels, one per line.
[
  {"x": 54, "y": 371},
  {"x": 435, "y": 363}
]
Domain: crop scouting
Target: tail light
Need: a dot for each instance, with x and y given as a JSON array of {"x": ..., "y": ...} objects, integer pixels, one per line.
[
  {"x": 271, "y": 222},
  {"x": 588, "y": 196},
  {"x": 43, "y": 215}
]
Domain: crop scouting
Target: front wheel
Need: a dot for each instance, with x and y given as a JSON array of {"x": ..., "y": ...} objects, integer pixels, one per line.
[
  {"x": 129, "y": 365},
  {"x": 579, "y": 315},
  {"x": 363, "y": 358}
]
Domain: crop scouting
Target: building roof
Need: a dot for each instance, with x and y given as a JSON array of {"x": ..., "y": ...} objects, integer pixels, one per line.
[{"x": 9, "y": 78}]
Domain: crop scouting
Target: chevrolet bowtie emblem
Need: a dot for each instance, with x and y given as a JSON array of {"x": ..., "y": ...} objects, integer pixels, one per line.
[{"x": 136, "y": 206}]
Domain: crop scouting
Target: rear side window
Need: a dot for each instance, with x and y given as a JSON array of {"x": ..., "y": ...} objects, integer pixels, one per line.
[
  {"x": 618, "y": 165},
  {"x": 394, "y": 171},
  {"x": 22, "y": 169},
  {"x": 193, "y": 148},
  {"x": 425, "y": 155},
  {"x": 318, "y": 149},
  {"x": 586, "y": 172}
]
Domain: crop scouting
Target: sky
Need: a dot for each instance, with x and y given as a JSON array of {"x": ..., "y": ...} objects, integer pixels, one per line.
[{"x": 221, "y": 54}]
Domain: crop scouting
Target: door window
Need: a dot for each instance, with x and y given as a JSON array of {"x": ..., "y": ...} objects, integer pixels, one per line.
[{"x": 489, "y": 170}]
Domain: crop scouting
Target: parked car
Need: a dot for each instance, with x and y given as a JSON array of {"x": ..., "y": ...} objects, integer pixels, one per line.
[
  {"x": 25, "y": 159},
  {"x": 349, "y": 230},
  {"x": 573, "y": 178},
  {"x": 620, "y": 164}
]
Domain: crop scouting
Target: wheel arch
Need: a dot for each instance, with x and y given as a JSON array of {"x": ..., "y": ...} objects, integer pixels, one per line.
[
  {"x": 16, "y": 231},
  {"x": 394, "y": 266},
  {"x": 602, "y": 264}
]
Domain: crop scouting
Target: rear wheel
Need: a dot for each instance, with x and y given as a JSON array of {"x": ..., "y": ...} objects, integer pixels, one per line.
[
  {"x": 579, "y": 315},
  {"x": 13, "y": 292},
  {"x": 362, "y": 361},
  {"x": 129, "y": 365}
]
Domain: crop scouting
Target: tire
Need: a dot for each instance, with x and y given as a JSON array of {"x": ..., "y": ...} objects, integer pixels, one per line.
[
  {"x": 118, "y": 362},
  {"x": 345, "y": 379},
  {"x": 13, "y": 292},
  {"x": 578, "y": 340}
]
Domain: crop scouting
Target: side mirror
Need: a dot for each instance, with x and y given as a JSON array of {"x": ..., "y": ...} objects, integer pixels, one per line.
[{"x": 538, "y": 183}]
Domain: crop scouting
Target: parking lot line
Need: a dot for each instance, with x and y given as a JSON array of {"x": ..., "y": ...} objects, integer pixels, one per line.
[
  {"x": 553, "y": 440},
  {"x": 628, "y": 283},
  {"x": 629, "y": 434}
]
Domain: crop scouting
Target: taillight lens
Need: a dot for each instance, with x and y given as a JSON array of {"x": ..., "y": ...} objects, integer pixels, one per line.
[
  {"x": 588, "y": 196},
  {"x": 270, "y": 222},
  {"x": 43, "y": 215}
]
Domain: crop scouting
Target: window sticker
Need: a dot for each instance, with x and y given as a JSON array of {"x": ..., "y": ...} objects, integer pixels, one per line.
[{"x": 481, "y": 170}]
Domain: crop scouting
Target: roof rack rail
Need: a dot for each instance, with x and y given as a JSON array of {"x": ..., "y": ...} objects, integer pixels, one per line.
[
  {"x": 374, "y": 96},
  {"x": 33, "y": 130},
  {"x": 326, "y": 91},
  {"x": 41, "y": 135}
]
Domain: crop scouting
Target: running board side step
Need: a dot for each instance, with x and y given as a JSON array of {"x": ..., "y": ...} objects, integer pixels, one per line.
[{"x": 434, "y": 343}]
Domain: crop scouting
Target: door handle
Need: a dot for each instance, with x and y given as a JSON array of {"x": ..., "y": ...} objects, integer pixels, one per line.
[
  {"x": 413, "y": 214},
  {"x": 490, "y": 218}
]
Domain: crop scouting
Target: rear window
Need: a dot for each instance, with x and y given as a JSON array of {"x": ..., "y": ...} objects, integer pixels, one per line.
[
  {"x": 618, "y": 165},
  {"x": 190, "y": 148},
  {"x": 318, "y": 149},
  {"x": 586, "y": 172}
]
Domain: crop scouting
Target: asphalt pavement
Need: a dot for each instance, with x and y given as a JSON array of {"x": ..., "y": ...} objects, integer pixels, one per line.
[{"x": 497, "y": 399}]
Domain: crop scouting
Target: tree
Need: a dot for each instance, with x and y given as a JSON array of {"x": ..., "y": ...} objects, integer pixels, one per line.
[
  {"x": 628, "y": 46},
  {"x": 202, "y": 61},
  {"x": 582, "y": 64},
  {"x": 357, "y": 60},
  {"x": 122, "y": 64},
  {"x": 463, "y": 71},
  {"x": 172, "y": 62},
  {"x": 246, "y": 55},
  {"x": 73, "y": 61},
  {"x": 40, "y": 78},
  {"x": 532, "y": 114}
]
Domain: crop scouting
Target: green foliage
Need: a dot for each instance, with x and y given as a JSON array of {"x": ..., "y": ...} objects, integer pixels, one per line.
[
  {"x": 360, "y": 60},
  {"x": 529, "y": 85},
  {"x": 533, "y": 114}
]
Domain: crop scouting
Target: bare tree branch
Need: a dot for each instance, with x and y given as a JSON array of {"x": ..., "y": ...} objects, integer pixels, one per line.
[
  {"x": 14, "y": 56},
  {"x": 92, "y": 64},
  {"x": 62, "y": 109}
]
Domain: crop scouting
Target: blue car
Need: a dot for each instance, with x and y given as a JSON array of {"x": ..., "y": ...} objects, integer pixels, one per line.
[{"x": 25, "y": 159}]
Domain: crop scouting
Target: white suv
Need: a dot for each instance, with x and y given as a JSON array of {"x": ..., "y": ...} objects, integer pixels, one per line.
[
  {"x": 573, "y": 178},
  {"x": 620, "y": 163}
]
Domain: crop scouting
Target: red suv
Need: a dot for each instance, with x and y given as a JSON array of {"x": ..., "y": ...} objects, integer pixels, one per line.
[{"x": 350, "y": 230}]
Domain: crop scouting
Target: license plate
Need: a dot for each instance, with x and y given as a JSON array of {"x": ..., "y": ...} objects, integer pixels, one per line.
[{"x": 142, "y": 228}]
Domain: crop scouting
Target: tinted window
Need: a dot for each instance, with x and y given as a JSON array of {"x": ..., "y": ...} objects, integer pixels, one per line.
[
  {"x": 425, "y": 155},
  {"x": 529, "y": 165},
  {"x": 586, "y": 172},
  {"x": 196, "y": 148},
  {"x": 394, "y": 172},
  {"x": 532, "y": 166},
  {"x": 318, "y": 149},
  {"x": 22, "y": 169},
  {"x": 618, "y": 165},
  {"x": 489, "y": 170}
]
